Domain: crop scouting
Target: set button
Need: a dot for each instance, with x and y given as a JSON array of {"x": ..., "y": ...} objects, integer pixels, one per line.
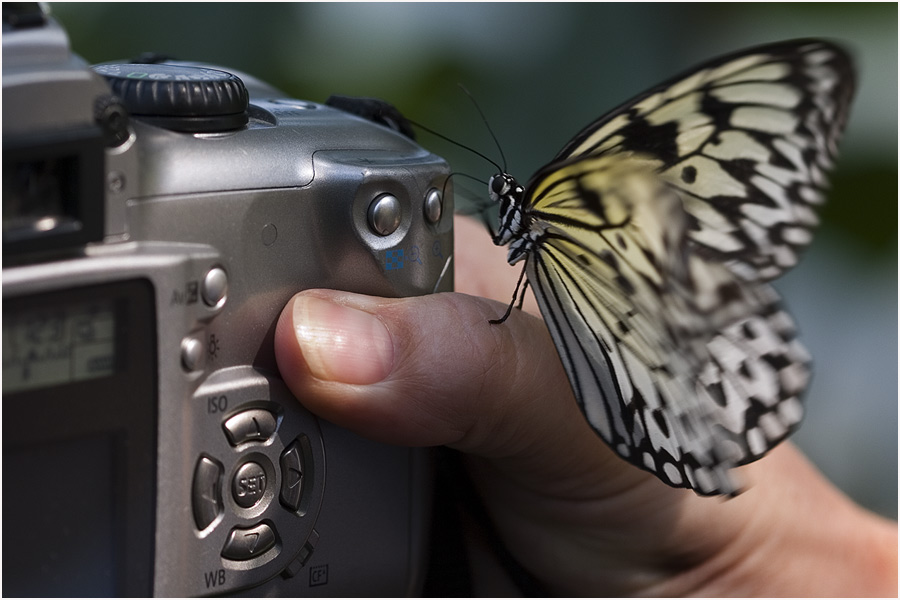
[{"x": 248, "y": 486}]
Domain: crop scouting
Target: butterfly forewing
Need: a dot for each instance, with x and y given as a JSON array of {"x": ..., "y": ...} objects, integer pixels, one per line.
[
  {"x": 648, "y": 242},
  {"x": 748, "y": 140}
]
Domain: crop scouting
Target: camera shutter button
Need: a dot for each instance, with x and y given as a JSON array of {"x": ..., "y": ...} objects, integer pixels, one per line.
[
  {"x": 384, "y": 214},
  {"x": 215, "y": 286}
]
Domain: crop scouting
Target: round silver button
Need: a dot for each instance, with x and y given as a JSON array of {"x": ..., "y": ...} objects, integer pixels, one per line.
[
  {"x": 434, "y": 206},
  {"x": 249, "y": 485},
  {"x": 191, "y": 353},
  {"x": 384, "y": 214},
  {"x": 215, "y": 286}
]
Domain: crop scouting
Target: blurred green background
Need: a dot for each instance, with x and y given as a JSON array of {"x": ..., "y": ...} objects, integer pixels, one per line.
[{"x": 540, "y": 72}]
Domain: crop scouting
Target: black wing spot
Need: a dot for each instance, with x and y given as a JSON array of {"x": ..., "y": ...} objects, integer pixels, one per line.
[
  {"x": 609, "y": 258},
  {"x": 625, "y": 285},
  {"x": 641, "y": 136},
  {"x": 689, "y": 174},
  {"x": 777, "y": 361},
  {"x": 748, "y": 331},
  {"x": 741, "y": 169},
  {"x": 729, "y": 293},
  {"x": 592, "y": 199},
  {"x": 718, "y": 393},
  {"x": 719, "y": 111},
  {"x": 660, "y": 419},
  {"x": 650, "y": 257}
]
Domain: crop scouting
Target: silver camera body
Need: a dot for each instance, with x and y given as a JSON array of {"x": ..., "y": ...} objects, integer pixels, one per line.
[{"x": 151, "y": 238}]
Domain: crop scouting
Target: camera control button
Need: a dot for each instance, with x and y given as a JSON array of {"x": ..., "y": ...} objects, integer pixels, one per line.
[
  {"x": 384, "y": 214},
  {"x": 192, "y": 353},
  {"x": 249, "y": 485},
  {"x": 244, "y": 544},
  {"x": 206, "y": 492},
  {"x": 179, "y": 97},
  {"x": 434, "y": 206},
  {"x": 252, "y": 425},
  {"x": 215, "y": 286},
  {"x": 292, "y": 476}
]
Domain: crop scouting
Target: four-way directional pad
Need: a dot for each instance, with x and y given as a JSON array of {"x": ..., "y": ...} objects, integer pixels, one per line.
[{"x": 250, "y": 483}]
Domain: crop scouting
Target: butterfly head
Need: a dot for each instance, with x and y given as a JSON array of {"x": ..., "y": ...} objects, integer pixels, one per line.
[{"x": 501, "y": 185}]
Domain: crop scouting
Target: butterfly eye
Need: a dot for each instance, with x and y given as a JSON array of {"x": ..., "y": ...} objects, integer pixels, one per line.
[{"x": 498, "y": 186}]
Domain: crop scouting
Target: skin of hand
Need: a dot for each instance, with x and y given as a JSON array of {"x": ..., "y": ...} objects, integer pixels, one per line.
[{"x": 431, "y": 370}]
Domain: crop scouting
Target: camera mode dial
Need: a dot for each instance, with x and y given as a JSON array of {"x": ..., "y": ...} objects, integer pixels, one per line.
[{"x": 181, "y": 98}]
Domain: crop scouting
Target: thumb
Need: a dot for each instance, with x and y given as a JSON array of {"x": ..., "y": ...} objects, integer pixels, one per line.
[{"x": 432, "y": 370}]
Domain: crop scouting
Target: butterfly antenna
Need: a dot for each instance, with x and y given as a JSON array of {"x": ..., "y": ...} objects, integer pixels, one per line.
[
  {"x": 455, "y": 143},
  {"x": 486, "y": 124},
  {"x": 461, "y": 174},
  {"x": 480, "y": 203}
]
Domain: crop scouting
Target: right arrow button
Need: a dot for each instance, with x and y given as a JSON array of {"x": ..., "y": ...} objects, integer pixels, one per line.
[{"x": 292, "y": 476}]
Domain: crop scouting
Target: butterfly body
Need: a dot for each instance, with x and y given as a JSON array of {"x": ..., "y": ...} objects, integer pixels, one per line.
[{"x": 648, "y": 242}]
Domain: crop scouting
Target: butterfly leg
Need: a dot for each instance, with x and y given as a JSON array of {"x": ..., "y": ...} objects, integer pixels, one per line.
[
  {"x": 522, "y": 295},
  {"x": 517, "y": 299}
]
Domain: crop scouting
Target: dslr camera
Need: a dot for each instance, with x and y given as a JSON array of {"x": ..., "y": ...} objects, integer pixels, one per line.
[{"x": 156, "y": 219}]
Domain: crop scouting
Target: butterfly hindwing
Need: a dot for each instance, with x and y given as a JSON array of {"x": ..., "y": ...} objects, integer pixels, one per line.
[
  {"x": 617, "y": 291},
  {"x": 681, "y": 367}
]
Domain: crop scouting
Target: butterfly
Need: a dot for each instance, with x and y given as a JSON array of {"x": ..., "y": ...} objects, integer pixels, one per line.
[{"x": 649, "y": 240}]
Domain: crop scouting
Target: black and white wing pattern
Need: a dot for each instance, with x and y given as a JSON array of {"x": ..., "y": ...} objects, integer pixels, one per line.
[
  {"x": 747, "y": 139},
  {"x": 649, "y": 240}
]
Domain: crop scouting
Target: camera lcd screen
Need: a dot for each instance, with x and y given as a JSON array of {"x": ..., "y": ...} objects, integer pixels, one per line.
[
  {"x": 59, "y": 345},
  {"x": 82, "y": 560},
  {"x": 79, "y": 441}
]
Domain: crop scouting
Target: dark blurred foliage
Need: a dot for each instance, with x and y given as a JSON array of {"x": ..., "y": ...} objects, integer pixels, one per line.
[{"x": 540, "y": 72}]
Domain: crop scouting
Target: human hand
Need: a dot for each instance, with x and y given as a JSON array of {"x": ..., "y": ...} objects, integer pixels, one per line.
[{"x": 431, "y": 370}]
